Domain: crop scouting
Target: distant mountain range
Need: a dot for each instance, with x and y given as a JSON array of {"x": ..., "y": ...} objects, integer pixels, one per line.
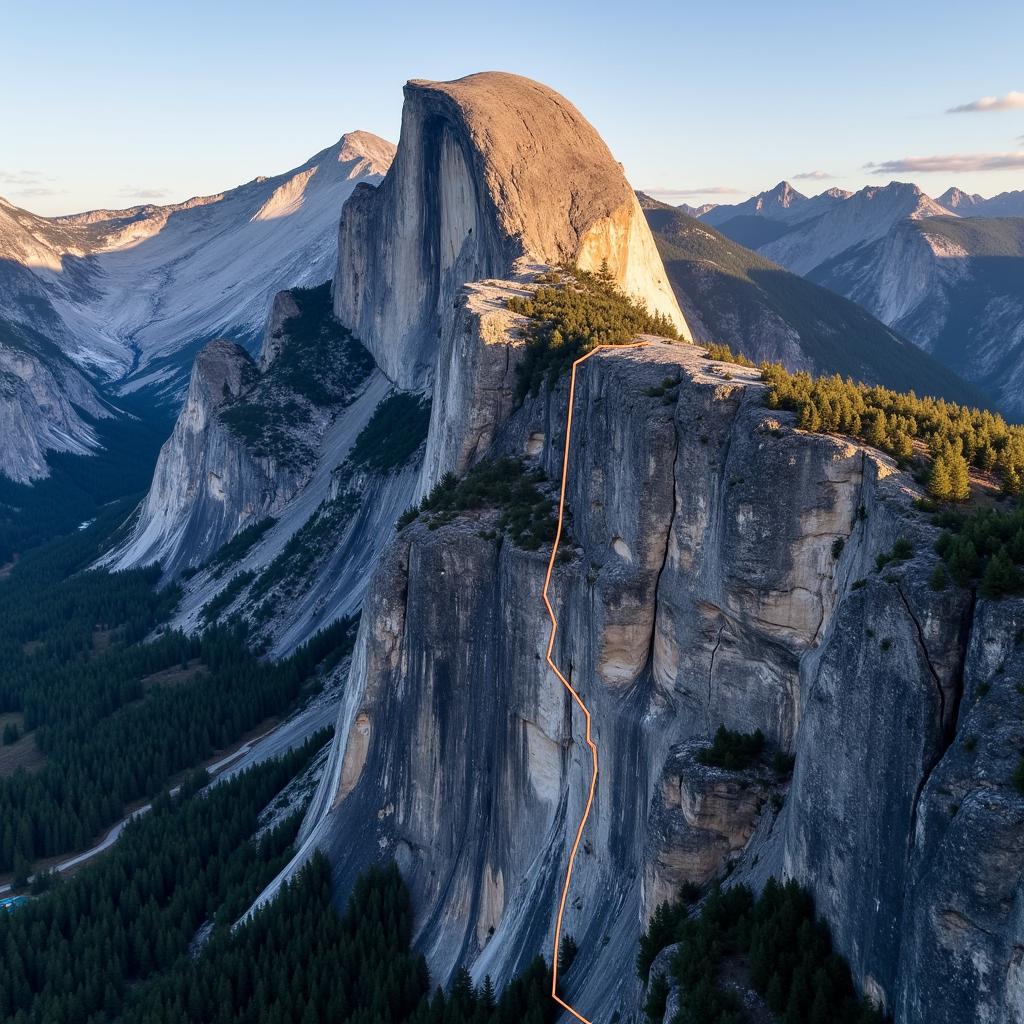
[
  {"x": 947, "y": 273},
  {"x": 124, "y": 292},
  {"x": 105, "y": 303},
  {"x": 732, "y": 295}
]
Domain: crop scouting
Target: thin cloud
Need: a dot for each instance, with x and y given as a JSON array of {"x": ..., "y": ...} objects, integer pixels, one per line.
[
  {"x": 133, "y": 192},
  {"x": 1013, "y": 100},
  {"x": 28, "y": 179},
  {"x": 40, "y": 191},
  {"x": 813, "y": 176},
  {"x": 958, "y": 162},
  {"x": 681, "y": 193}
]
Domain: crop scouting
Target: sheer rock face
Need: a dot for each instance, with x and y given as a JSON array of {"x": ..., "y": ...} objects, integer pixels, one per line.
[
  {"x": 206, "y": 483},
  {"x": 283, "y": 308},
  {"x": 964, "y": 948},
  {"x": 491, "y": 171},
  {"x": 696, "y": 596}
]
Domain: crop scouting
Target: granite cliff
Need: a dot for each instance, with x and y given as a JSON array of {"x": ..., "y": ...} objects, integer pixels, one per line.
[
  {"x": 695, "y": 597},
  {"x": 695, "y": 594},
  {"x": 722, "y": 567}
]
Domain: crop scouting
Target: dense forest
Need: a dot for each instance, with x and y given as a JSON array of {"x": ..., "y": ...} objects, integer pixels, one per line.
[
  {"x": 297, "y": 960},
  {"x": 955, "y": 437},
  {"x": 396, "y": 429},
  {"x": 144, "y": 935},
  {"x": 81, "y": 951},
  {"x": 109, "y": 720}
]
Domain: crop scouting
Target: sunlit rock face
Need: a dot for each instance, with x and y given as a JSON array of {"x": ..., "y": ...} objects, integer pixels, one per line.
[{"x": 491, "y": 170}]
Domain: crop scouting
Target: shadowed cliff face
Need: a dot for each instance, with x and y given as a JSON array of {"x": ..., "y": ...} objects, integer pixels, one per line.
[
  {"x": 206, "y": 483},
  {"x": 490, "y": 170}
]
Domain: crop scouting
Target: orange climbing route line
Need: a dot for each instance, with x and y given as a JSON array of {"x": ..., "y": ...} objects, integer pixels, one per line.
[{"x": 565, "y": 682}]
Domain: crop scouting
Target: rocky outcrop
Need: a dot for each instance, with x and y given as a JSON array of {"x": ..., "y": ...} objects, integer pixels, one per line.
[
  {"x": 492, "y": 171},
  {"x": 700, "y": 817},
  {"x": 250, "y": 436},
  {"x": 283, "y": 308},
  {"x": 206, "y": 484}
]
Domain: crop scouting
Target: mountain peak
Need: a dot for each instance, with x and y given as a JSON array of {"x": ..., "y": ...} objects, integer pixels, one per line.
[
  {"x": 785, "y": 194},
  {"x": 783, "y": 197},
  {"x": 955, "y": 197},
  {"x": 535, "y": 181},
  {"x": 360, "y": 145}
]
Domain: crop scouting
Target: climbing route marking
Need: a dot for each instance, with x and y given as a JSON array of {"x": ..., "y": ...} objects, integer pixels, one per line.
[{"x": 565, "y": 682}]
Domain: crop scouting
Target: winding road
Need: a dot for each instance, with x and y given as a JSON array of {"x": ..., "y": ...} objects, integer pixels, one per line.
[{"x": 290, "y": 733}]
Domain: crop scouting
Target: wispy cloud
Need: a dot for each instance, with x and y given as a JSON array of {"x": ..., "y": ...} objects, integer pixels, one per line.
[
  {"x": 39, "y": 191},
  {"x": 135, "y": 192},
  {"x": 1013, "y": 100},
  {"x": 682, "y": 193},
  {"x": 23, "y": 178},
  {"x": 31, "y": 184},
  {"x": 959, "y": 162},
  {"x": 813, "y": 176}
]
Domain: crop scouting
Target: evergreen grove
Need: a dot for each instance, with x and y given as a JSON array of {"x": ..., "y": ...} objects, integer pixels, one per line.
[
  {"x": 785, "y": 950},
  {"x": 80, "y": 951},
  {"x": 570, "y": 312},
  {"x": 955, "y": 437}
]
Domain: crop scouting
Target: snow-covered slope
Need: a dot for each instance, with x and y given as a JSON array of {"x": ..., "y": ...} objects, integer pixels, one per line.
[{"x": 133, "y": 293}]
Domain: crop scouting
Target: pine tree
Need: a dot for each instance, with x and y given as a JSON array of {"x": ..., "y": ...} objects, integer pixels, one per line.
[
  {"x": 1001, "y": 576},
  {"x": 940, "y": 482},
  {"x": 903, "y": 446},
  {"x": 566, "y": 953},
  {"x": 878, "y": 432},
  {"x": 959, "y": 475}
]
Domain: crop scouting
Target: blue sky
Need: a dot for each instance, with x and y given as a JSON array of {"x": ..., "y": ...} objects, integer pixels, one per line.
[{"x": 111, "y": 104}]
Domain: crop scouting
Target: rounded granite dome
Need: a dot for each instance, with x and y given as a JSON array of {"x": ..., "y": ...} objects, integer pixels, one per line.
[
  {"x": 549, "y": 173},
  {"x": 492, "y": 171}
]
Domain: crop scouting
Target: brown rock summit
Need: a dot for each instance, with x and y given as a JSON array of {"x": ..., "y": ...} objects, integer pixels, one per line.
[{"x": 490, "y": 170}]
